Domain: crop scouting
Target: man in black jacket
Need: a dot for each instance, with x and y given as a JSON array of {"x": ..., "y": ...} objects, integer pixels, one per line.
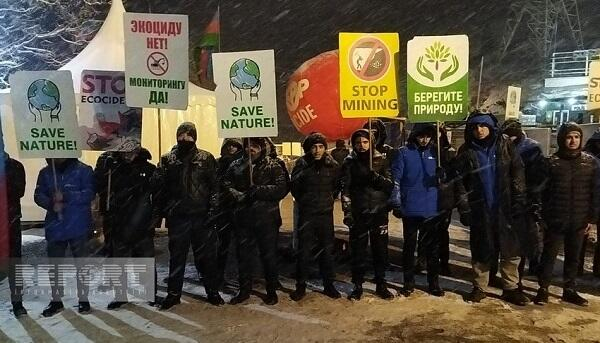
[
  {"x": 592, "y": 147},
  {"x": 365, "y": 194},
  {"x": 231, "y": 150},
  {"x": 493, "y": 178},
  {"x": 186, "y": 194},
  {"x": 315, "y": 184},
  {"x": 129, "y": 210},
  {"x": 15, "y": 184},
  {"x": 570, "y": 206},
  {"x": 256, "y": 214}
]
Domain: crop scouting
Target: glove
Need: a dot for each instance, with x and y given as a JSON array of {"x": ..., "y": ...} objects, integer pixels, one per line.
[
  {"x": 440, "y": 173},
  {"x": 238, "y": 196},
  {"x": 397, "y": 213},
  {"x": 348, "y": 220},
  {"x": 465, "y": 219},
  {"x": 110, "y": 163}
]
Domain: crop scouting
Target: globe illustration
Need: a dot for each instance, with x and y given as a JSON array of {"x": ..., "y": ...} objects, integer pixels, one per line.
[
  {"x": 43, "y": 95},
  {"x": 244, "y": 74}
]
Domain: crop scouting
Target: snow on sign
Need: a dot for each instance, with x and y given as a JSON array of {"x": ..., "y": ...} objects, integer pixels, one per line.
[
  {"x": 43, "y": 103},
  {"x": 106, "y": 122},
  {"x": 246, "y": 96},
  {"x": 594, "y": 86},
  {"x": 438, "y": 78},
  {"x": 156, "y": 60},
  {"x": 368, "y": 74}
]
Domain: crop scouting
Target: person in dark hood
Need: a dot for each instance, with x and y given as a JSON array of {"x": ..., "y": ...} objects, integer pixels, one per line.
[
  {"x": 365, "y": 194},
  {"x": 415, "y": 200},
  {"x": 65, "y": 189},
  {"x": 532, "y": 156},
  {"x": 272, "y": 152},
  {"x": 492, "y": 177},
  {"x": 380, "y": 136},
  {"x": 15, "y": 190},
  {"x": 592, "y": 147},
  {"x": 315, "y": 185},
  {"x": 340, "y": 152},
  {"x": 129, "y": 210},
  {"x": 256, "y": 214},
  {"x": 570, "y": 208},
  {"x": 231, "y": 150},
  {"x": 186, "y": 194}
]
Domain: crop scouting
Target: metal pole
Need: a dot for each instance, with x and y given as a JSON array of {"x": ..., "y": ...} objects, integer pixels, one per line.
[
  {"x": 108, "y": 191},
  {"x": 479, "y": 86},
  {"x": 159, "y": 135},
  {"x": 371, "y": 147}
]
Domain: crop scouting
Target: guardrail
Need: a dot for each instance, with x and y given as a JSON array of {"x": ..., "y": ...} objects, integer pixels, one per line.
[{"x": 572, "y": 63}]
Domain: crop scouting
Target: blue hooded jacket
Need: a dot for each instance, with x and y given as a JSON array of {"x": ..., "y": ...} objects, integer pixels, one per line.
[
  {"x": 415, "y": 190},
  {"x": 486, "y": 156},
  {"x": 76, "y": 182}
]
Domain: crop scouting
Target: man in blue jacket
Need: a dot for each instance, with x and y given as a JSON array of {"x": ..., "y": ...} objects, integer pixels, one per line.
[
  {"x": 68, "y": 218},
  {"x": 415, "y": 200}
]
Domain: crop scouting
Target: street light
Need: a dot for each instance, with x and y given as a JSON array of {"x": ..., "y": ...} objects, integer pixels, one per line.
[
  {"x": 571, "y": 101},
  {"x": 542, "y": 103}
]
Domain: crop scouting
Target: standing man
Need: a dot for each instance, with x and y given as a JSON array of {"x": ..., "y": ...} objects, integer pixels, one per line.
[
  {"x": 15, "y": 189},
  {"x": 415, "y": 200},
  {"x": 130, "y": 209},
  {"x": 256, "y": 214},
  {"x": 315, "y": 181},
  {"x": 571, "y": 205},
  {"x": 532, "y": 156},
  {"x": 592, "y": 147},
  {"x": 365, "y": 195},
  {"x": 491, "y": 174},
  {"x": 67, "y": 197},
  {"x": 340, "y": 152},
  {"x": 186, "y": 190}
]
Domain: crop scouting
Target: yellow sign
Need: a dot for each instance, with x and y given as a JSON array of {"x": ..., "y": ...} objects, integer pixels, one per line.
[
  {"x": 368, "y": 74},
  {"x": 594, "y": 86}
]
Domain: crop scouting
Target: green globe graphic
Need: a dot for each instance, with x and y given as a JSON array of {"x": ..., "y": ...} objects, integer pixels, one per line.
[
  {"x": 244, "y": 74},
  {"x": 43, "y": 95}
]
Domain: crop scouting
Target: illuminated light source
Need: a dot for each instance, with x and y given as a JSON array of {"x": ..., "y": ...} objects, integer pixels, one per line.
[
  {"x": 571, "y": 101},
  {"x": 542, "y": 103}
]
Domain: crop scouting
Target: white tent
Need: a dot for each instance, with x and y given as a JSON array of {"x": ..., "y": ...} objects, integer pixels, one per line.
[{"x": 106, "y": 52}]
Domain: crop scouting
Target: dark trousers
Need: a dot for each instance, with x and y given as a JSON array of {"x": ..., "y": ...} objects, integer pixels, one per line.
[
  {"x": 596, "y": 266},
  {"x": 224, "y": 228},
  {"x": 373, "y": 228},
  {"x": 315, "y": 242},
  {"x": 144, "y": 247},
  {"x": 444, "y": 242},
  {"x": 184, "y": 232},
  {"x": 572, "y": 241},
  {"x": 15, "y": 241},
  {"x": 79, "y": 250},
  {"x": 249, "y": 236},
  {"x": 429, "y": 238},
  {"x": 532, "y": 246}
]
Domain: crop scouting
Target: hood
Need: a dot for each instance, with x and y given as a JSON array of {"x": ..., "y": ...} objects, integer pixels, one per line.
[
  {"x": 476, "y": 118},
  {"x": 360, "y": 133},
  {"x": 562, "y": 134},
  {"x": 189, "y": 128},
  {"x": 340, "y": 144},
  {"x": 263, "y": 145},
  {"x": 313, "y": 139},
  {"x": 590, "y": 145},
  {"x": 380, "y": 135},
  {"x": 227, "y": 142},
  {"x": 422, "y": 128},
  {"x": 513, "y": 128},
  {"x": 272, "y": 150},
  {"x": 144, "y": 155}
]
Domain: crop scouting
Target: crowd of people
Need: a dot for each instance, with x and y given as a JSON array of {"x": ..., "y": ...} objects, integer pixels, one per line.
[{"x": 517, "y": 204}]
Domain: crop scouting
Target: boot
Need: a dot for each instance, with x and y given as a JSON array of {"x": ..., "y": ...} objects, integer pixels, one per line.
[
  {"x": 18, "y": 309},
  {"x": 409, "y": 288},
  {"x": 356, "y": 292},
  {"x": 420, "y": 266},
  {"x": 271, "y": 298},
  {"x": 476, "y": 295},
  {"x": 571, "y": 296},
  {"x": 240, "y": 297},
  {"x": 53, "y": 308},
  {"x": 495, "y": 282},
  {"x": 214, "y": 298},
  {"x": 169, "y": 301},
  {"x": 541, "y": 297},
  {"x": 113, "y": 305},
  {"x": 330, "y": 291},
  {"x": 435, "y": 289},
  {"x": 445, "y": 270},
  {"x": 299, "y": 293},
  {"x": 383, "y": 292},
  {"x": 515, "y": 296},
  {"x": 84, "y": 307}
]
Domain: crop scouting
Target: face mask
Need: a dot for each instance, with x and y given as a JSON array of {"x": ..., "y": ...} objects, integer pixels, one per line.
[{"x": 185, "y": 146}]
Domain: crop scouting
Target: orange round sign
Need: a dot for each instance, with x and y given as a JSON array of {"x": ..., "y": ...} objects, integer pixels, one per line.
[{"x": 369, "y": 59}]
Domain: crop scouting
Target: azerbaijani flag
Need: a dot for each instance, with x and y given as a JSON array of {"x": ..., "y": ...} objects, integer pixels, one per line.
[
  {"x": 4, "y": 238},
  {"x": 209, "y": 43}
]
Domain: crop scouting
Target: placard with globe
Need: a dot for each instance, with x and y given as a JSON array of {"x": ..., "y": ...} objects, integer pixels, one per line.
[
  {"x": 43, "y": 104},
  {"x": 246, "y": 96}
]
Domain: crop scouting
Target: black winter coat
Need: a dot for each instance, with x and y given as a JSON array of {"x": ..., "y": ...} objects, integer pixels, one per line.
[
  {"x": 571, "y": 195},
  {"x": 186, "y": 185},
  {"x": 15, "y": 184},
  {"x": 510, "y": 188},
  {"x": 315, "y": 185},
  {"x": 365, "y": 191},
  {"x": 257, "y": 204}
]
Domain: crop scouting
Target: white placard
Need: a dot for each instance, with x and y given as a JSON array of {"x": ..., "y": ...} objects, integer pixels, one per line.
[
  {"x": 513, "y": 102},
  {"x": 156, "y": 60},
  {"x": 43, "y": 103},
  {"x": 246, "y": 94}
]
